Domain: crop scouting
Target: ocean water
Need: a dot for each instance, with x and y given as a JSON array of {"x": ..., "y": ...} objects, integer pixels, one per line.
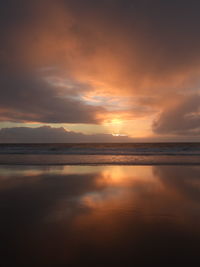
[
  {"x": 103, "y": 149},
  {"x": 82, "y": 215},
  {"x": 111, "y": 154}
]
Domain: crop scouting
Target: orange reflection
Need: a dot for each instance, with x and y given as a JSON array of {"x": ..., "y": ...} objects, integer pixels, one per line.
[
  {"x": 102, "y": 211},
  {"x": 133, "y": 193}
]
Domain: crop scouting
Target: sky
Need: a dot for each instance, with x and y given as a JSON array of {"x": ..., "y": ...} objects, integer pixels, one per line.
[{"x": 109, "y": 70}]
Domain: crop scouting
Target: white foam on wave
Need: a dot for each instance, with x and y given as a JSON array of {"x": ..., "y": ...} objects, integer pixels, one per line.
[
  {"x": 103, "y": 149},
  {"x": 18, "y": 159}
]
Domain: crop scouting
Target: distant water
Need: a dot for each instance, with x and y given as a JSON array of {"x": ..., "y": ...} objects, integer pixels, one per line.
[
  {"x": 100, "y": 216},
  {"x": 103, "y": 149},
  {"x": 134, "y": 153}
]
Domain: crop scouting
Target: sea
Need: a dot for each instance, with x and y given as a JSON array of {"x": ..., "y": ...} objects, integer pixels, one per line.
[
  {"x": 100, "y": 204},
  {"x": 98, "y": 154}
]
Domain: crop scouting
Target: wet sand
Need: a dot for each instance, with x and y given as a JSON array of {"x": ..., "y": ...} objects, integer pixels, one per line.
[{"x": 100, "y": 215}]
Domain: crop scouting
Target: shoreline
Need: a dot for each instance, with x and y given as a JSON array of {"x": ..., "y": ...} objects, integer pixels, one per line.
[{"x": 51, "y": 160}]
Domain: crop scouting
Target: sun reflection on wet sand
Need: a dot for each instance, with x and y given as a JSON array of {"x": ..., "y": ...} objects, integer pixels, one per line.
[{"x": 100, "y": 215}]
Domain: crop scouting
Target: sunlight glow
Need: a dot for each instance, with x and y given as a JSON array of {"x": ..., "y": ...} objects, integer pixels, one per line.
[{"x": 116, "y": 134}]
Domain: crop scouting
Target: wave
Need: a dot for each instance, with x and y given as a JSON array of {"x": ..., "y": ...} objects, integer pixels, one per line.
[
  {"x": 100, "y": 154},
  {"x": 20, "y": 159},
  {"x": 153, "y": 149}
]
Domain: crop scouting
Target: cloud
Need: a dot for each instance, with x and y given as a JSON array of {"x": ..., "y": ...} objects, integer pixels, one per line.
[
  {"x": 47, "y": 134},
  {"x": 136, "y": 49},
  {"x": 134, "y": 44},
  {"x": 181, "y": 118},
  {"x": 26, "y": 97}
]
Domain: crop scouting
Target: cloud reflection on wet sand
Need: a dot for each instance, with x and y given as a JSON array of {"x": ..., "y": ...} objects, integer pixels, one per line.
[{"x": 100, "y": 215}]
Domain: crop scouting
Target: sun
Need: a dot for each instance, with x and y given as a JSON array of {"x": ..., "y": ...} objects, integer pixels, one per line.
[
  {"x": 116, "y": 121},
  {"x": 116, "y": 127},
  {"x": 118, "y": 134}
]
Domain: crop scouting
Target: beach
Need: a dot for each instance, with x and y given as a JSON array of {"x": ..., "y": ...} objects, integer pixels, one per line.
[
  {"x": 99, "y": 133},
  {"x": 86, "y": 213}
]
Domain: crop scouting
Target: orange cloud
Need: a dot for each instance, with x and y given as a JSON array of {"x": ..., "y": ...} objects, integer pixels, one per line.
[{"x": 111, "y": 50}]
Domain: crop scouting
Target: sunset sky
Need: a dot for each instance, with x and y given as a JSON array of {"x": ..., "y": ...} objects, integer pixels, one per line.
[{"x": 104, "y": 70}]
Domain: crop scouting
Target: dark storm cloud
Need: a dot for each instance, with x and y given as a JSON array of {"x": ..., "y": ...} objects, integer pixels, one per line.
[
  {"x": 182, "y": 118},
  {"x": 26, "y": 97},
  {"x": 48, "y": 134},
  {"x": 24, "y": 94},
  {"x": 148, "y": 48},
  {"x": 166, "y": 32}
]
